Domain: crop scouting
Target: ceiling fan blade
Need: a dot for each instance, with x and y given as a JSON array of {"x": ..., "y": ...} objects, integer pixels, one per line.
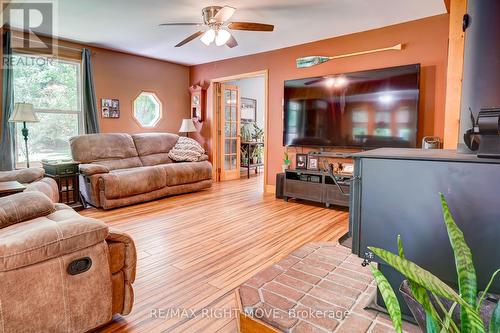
[
  {"x": 224, "y": 14},
  {"x": 180, "y": 24},
  {"x": 250, "y": 26},
  {"x": 232, "y": 42},
  {"x": 190, "y": 38}
]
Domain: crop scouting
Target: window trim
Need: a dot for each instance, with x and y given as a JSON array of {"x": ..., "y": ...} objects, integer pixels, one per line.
[
  {"x": 79, "y": 111},
  {"x": 155, "y": 96}
]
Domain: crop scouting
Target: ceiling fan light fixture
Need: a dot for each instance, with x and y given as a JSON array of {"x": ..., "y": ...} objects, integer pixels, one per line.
[
  {"x": 222, "y": 37},
  {"x": 208, "y": 37}
]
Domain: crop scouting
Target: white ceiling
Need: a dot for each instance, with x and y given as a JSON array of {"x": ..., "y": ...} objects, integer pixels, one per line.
[{"x": 132, "y": 25}]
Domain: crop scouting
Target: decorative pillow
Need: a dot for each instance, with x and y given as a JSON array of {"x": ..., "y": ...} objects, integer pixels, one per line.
[{"x": 187, "y": 150}]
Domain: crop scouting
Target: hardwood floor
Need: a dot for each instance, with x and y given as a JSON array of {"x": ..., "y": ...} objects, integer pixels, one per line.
[{"x": 195, "y": 249}]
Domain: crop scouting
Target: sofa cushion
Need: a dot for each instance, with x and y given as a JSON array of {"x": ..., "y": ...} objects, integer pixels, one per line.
[
  {"x": 56, "y": 234},
  {"x": 113, "y": 150},
  {"x": 24, "y": 206},
  {"x": 153, "y": 148},
  {"x": 187, "y": 172},
  {"x": 127, "y": 182}
]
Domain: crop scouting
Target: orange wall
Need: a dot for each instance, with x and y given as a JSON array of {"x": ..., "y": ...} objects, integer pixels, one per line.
[
  {"x": 426, "y": 42},
  {"x": 123, "y": 76}
]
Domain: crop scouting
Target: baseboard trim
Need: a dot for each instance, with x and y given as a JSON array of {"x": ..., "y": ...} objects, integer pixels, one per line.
[{"x": 270, "y": 189}]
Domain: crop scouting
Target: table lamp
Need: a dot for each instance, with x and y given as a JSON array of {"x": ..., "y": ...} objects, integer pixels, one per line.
[
  {"x": 24, "y": 113},
  {"x": 187, "y": 126}
]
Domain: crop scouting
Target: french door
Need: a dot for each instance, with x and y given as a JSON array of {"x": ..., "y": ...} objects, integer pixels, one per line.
[{"x": 229, "y": 132}]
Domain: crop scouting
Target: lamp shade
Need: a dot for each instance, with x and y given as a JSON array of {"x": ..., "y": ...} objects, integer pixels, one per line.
[
  {"x": 24, "y": 112},
  {"x": 187, "y": 126}
]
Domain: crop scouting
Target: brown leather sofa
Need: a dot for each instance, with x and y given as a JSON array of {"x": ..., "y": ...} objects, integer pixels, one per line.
[
  {"x": 34, "y": 180},
  {"x": 121, "y": 169},
  {"x": 60, "y": 272}
]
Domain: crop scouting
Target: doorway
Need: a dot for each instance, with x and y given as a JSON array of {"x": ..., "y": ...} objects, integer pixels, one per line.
[{"x": 240, "y": 114}]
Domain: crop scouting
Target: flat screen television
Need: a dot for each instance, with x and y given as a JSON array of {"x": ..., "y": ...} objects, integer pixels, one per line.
[{"x": 368, "y": 109}]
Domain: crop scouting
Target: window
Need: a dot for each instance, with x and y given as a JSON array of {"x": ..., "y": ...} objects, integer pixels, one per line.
[
  {"x": 147, "y": 109},
  {"x": 54, "y": 88}
]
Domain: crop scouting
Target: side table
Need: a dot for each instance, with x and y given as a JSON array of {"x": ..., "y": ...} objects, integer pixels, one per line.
[
  {"x": 66, "y": 175},
  {"x": 11, "y": 187}
]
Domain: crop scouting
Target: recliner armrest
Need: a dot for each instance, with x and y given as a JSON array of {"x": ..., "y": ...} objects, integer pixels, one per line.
[
  {"x": 93, "y": 169},
  {"x": 24, "y": 176},
  {"x": 24, "y": 206}
]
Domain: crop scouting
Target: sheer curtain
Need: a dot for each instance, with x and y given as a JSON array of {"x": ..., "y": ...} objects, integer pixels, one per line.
[
  {"x": 7, "y": 144},
  {"x": 90, "y": 112}
]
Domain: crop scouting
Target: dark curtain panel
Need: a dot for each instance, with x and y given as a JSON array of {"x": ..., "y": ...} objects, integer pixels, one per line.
[
  {"x": 7, "y": 144},
  {"x": 90, "y": 112}
]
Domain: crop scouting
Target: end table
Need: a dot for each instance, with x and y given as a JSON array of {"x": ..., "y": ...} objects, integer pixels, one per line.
[
  {"x": 66, "y": 175},
  {"x": 11, "y": 187}
]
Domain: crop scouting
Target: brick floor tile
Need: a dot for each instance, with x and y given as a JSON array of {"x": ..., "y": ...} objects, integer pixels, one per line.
[
  {"x": 354, "y": 324},
  {"x": 264, "y": 276},
  {"x": 357, "y": 268},
  {"x": 319, "y": 257},
  {"x": 303, "y": 276},
  {"x": 294, "y": 283},
  {"x": 379, "y": 328},
  {"x": 330, "y": 253},
  {"x": 331, "y": 297},
  {"x": 277, "y": 301},
  {"x": 317, "y": 304},
  {"x": 287, "y": 262},
  {"x": 353, "y": 275},
  {"x": 360, "y": 305},
  {"x": 319, "y": 264},
  {"x": 249, "y": 296},
  {"x": 284, "y": 291},
  {"x": 323, "y": 319},
  {"x": 303, "y": 327},
  {"x": 346, "y": 281},
  {"x": 339, "y": 289},
  {"x": 303, "y": 252},
  {"x": 310, "y": 269}
]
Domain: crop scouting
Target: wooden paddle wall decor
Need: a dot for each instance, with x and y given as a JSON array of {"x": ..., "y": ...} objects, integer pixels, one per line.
[{"x": 310, "y": 61}]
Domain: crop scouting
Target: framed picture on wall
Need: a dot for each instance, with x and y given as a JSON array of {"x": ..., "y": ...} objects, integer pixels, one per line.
[
  {"x": 248, "y": 110},
  {"x": 110, "y": 108}
]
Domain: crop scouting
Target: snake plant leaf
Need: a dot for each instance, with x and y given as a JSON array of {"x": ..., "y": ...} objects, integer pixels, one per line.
[
  {"x": 426, "y": 279},
  {"x": 389, "y": 297},
  {"x": 495, "y": 320},
  {"x": 478, "y": 306},
  {"x": 467, "y": 283},
  {"x": 415, "y": 273},
  {"x": 432, "y": 318},
  {"x": 448, "y": 319}
]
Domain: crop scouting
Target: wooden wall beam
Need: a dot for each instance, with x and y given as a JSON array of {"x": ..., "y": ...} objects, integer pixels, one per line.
[{"x": 454, "y": 74}]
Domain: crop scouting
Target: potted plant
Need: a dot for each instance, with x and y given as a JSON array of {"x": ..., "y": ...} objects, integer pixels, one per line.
[
  {"x": 433, "y": 302},
  {"x": 257, "y": 155},
  {"x": 286, "y": 162},
  {"x": 246, "y": 136},
  {"x": 258, "y": 133}
]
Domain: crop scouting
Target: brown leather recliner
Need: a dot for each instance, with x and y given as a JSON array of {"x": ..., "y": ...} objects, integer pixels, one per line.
[{"x": 59, "y": 271}]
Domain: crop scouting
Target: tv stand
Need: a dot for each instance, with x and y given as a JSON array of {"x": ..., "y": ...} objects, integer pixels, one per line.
[{"x": 316, "y": 186}]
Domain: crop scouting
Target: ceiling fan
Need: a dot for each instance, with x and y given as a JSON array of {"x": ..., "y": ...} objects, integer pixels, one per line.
[{"x": 215, "y": 27}]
